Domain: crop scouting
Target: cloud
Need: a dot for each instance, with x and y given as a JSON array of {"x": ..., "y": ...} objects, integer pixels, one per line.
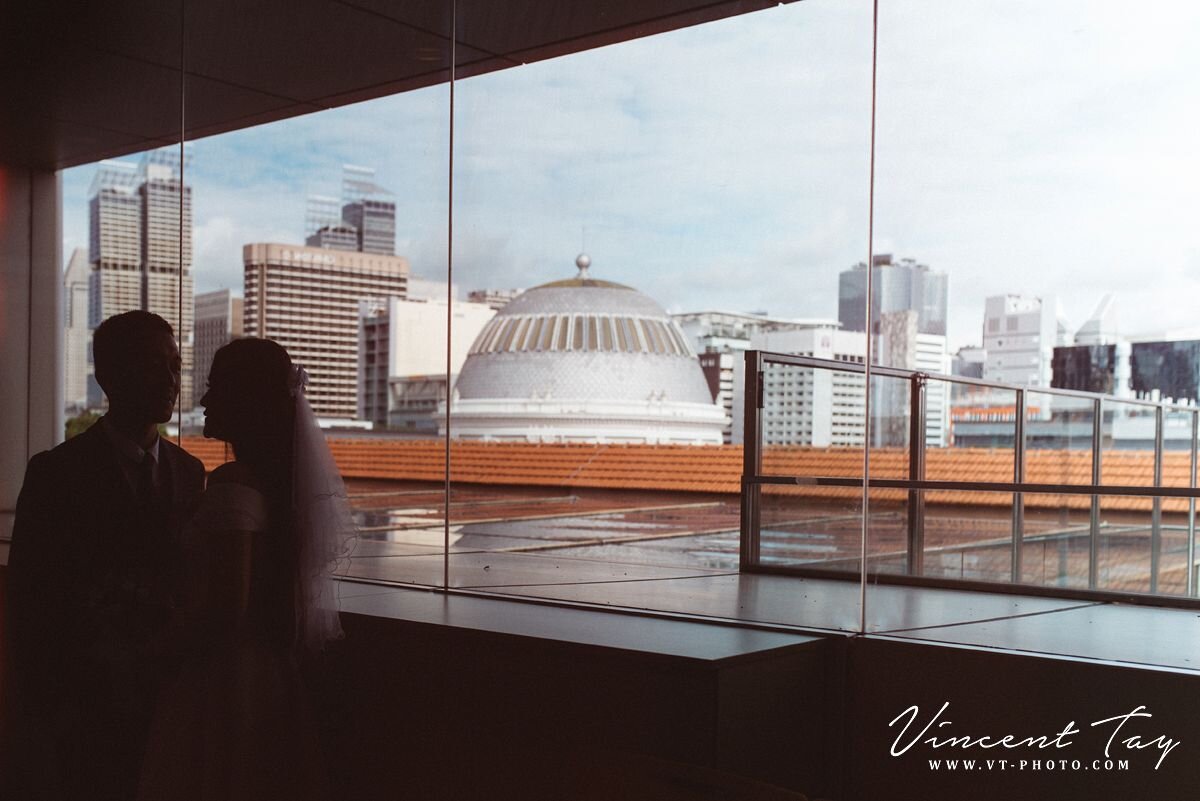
[{"x": 1021, "y": 147}]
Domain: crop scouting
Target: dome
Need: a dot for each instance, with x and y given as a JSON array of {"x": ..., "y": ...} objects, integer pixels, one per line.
[{"x": 584, "y": 360}]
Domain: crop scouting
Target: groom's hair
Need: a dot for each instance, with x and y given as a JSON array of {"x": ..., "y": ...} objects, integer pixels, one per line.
[{"x": 116, "y": 338}]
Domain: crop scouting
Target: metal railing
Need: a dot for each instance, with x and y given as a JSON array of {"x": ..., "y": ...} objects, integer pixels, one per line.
[{"x": 917, "y": 484}]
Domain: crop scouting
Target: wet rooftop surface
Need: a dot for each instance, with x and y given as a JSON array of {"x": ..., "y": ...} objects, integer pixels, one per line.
[{"x": 678, "y": 553}]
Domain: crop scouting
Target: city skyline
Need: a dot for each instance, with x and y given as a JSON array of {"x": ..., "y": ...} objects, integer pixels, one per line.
[{"x": 1061, "y": 205}]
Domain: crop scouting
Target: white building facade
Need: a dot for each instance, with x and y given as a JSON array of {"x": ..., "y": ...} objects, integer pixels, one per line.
[
  {"x": 402, "y": 357},
  {"x": 1020, "y": 333},
  {"x": 804, "y": 405}
]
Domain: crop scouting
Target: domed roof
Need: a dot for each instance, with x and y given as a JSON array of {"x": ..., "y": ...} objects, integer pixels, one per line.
[{"x": 583, "y": 339}]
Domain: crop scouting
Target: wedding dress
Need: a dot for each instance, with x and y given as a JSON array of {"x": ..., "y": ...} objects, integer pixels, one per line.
[{"x": 235, "y": 723}]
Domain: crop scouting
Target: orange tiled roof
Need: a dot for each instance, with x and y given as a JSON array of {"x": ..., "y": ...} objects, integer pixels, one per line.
[{"x": 718, "y": 469}]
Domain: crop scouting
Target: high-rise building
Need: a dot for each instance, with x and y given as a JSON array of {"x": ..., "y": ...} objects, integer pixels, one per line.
[
  {"x": 719, "y": 339},
  {"x": 901, "y": 285},
  {"x": 364, "y": 220},
  {"x": 908, "y": 315},
  {"x": 218, "y": 322},
  {"x": 369, "y": 209},
  {"x": 307, "y": 299},
  {"x": 805, "y": 405},
  {"x": 900, "y": 344},
  {"x": 402, "y": 358},
  {"x": 1147, "y": 370},
  {"x": 77, "y": 334},
  {"x": 114, "y": 242},
  {"x": 1020, "y": 334},
  {"x": 140, "y": 248},
  {"x": 334, "y": 237},
  {"x": 167, "y": 253}
]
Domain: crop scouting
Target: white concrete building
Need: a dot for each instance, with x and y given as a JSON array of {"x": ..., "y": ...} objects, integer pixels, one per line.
[
  {"x": 307, "y": 299},
  {"x": 804, "y": 405},
  {"x": 402, "y": 357},
  {"x": 721, "y": 337},
  {"x": 1020, "y": 333}
]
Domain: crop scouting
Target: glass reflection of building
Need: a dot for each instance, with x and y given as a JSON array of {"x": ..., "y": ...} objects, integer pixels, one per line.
[{"x": 1150, "y": 370}]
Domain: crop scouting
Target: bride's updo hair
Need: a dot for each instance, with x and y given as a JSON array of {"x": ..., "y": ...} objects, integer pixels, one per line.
[{"x": 250, "y": 387}]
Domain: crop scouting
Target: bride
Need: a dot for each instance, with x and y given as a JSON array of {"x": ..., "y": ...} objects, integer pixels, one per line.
[{"x": 258, "y": 595}]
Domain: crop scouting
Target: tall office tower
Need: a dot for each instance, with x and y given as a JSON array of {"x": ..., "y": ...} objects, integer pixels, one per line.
[
  {"x": 114, "y": 243},
  {"x": 1019, "y": 336},
  {"x": 369, "y": 209},
  {"x": 76, "y": 331},
  {"x": 140, "y": 249},
  {"x": 323, "y": 225},
  {"x": 218, "y": 322},
  {"x": 307, "y": 299},
  {"x": 897, "y": 286},
  {"x": 167, "y": 253},
  {"x": 900, "y": 344}
]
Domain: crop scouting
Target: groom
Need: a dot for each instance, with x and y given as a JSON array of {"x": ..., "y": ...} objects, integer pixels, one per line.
[{"x": 93, "y": 577}]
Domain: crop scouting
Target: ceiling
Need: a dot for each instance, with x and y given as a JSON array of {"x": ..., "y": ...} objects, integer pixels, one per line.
[{"x": 86, "y": 81}]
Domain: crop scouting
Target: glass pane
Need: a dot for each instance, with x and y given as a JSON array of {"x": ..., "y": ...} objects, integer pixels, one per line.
[
  {"x": 811, "y": 418},
  {"x": 650, "y": 185},
  {"x": 327, "y": 233},
  {"x": 1058, "y": 439},
  {"x": 982, "y": 436}
]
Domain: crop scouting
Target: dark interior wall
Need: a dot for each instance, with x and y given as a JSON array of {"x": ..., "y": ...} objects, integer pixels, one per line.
[
  {"x": 449, "y": 713},
  {"x": 992, "y": 693}
]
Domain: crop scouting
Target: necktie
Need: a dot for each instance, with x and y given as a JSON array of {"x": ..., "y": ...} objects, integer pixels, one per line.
[{"x": 145, "y": 484}]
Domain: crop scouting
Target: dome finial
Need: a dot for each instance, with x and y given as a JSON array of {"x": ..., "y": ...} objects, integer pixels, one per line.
[{"x": 583, "y": 261}]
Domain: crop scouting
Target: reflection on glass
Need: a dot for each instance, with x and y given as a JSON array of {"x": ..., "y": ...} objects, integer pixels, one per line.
[
  {"x": 638, "y": 197},
  {"x": 1058, "y": 439}
]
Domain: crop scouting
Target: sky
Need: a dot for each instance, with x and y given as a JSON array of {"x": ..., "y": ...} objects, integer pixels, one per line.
[{"x": 1021, "y": 147}]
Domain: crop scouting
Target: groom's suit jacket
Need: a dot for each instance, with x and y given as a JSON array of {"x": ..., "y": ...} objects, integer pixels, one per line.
[{"x": 92, "y": 579}]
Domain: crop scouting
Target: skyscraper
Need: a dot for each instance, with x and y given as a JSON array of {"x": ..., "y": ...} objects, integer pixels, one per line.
[
  {"x": 218, "y": 321},
  {"x": 369, "y": 209},
  {"x": 76, "y": 331},
  {"x": 1019, "y": 337},
  {"x": 897, "y": 286},
  {"x": 307, "y": 299},
  {"x": 364, "y": 220},
  {"x": 140, "y": 248}
]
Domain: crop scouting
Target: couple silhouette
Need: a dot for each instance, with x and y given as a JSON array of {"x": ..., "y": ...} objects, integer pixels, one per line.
[{"x": 156, "y": 625}]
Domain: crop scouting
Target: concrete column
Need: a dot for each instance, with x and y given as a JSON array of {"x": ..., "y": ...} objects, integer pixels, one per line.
[{"x": 31, "y": 325}]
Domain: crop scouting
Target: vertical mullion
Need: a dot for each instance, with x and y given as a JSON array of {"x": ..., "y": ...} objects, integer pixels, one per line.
[
  {"x": 750, "y": 543},
  {"x": 916, "y": 472},
  {"x": 449, "y": 298},
  {"x": 1094, "y": 520},
  {"x": 1191, "y": 524},
  {"x": 1156, "y": 513},
  {"x": 1018, "y": 506}
]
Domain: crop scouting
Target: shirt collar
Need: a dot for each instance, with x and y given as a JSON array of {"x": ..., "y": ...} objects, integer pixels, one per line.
[{"x": 127, "y": 447}]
